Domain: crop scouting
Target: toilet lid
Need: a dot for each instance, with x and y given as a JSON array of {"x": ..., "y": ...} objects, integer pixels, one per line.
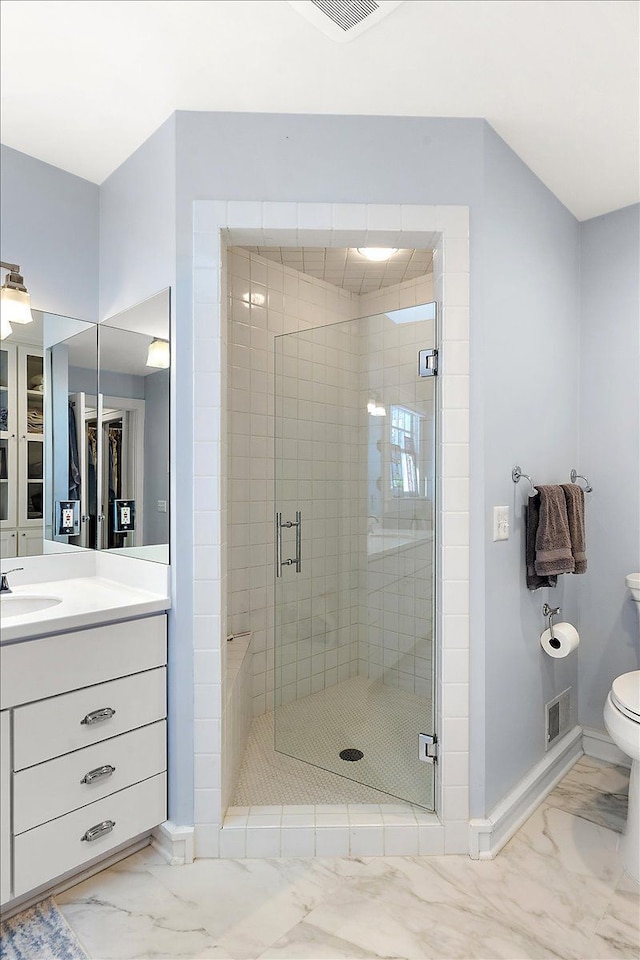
[{"x": 625, "y": 692}]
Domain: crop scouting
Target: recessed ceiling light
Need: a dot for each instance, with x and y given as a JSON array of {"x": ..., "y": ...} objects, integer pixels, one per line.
[{"x": 377, "y": 253}]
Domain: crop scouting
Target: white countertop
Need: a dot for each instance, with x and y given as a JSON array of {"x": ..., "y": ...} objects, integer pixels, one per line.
[{"x": 85, "y": 602}]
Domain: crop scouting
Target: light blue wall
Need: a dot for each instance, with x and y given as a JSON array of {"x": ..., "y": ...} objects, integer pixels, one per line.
[
  {"x": 50, "y": 228},
  {"x": 524, "y": 337},
  {"x": 609, "y": 451},
  {"x": 137, "y": 259},
  {"x": 524, "y": 325},
  {"x": 137, "y": 225},
  {"x": 524, "y": 410}
]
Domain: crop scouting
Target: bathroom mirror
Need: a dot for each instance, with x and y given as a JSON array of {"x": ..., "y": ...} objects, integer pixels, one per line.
[
  {"x": 84, "y": 434},
  {"x": 132, "y": 431}
]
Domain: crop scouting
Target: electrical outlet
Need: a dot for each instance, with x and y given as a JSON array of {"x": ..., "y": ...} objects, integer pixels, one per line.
[
  {"x": 162, "y": 506},
  {"x": 501, "y": 523}
]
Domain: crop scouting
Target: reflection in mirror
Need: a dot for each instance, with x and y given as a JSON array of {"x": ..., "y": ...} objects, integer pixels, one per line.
[
  {"x": 71, "y": 384},
  {"x": 132, "y": 434}
]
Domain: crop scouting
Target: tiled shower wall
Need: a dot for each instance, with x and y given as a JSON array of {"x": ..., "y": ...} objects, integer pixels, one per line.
[
  {"x": 265, "y": 300},
  {"x": 396, "y": 585},
  {"x": 322, "y": 385}
]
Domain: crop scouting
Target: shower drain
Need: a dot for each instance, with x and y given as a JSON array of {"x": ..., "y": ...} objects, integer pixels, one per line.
[{"x": 351, "y": 754}]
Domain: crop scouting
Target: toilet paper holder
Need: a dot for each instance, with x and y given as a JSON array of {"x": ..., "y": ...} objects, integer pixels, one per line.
[{"x": 550, "y": 613}]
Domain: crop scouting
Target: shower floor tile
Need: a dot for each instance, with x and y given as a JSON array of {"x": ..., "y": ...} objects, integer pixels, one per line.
[{"x": 383, "y": 722}]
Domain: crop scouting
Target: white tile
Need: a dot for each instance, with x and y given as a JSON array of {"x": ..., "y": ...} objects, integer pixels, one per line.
[
  {"x": 456, "y": 428},
  {"x": 456, "y": 289},
  {"x": 244, "y": 213},
  {"x": 206, "y": 736},
  {"x": 455, "y": 734},
  {"x": 206, "y": 841},
  {"x": 263, "y": 841},
  {"x": 384, "y": 216},
  {"x": 456, "y": 632},
  {"x": 455, "y": 531},
  {"x": 455, "y": 358},
  {"x": 315, "y": 216},
  {"x": 349, "y": 216},
  {"x": 455, "y": 666},
  {"x": 401, "y": 840},
  {"x": 456, "y": 255},
  {"x": 233, "y": 844},
  {"x": 332, "y": 841},
  {"x": 279, "y": 216},
  {"x": 456, "y": 701},
  {"x": 455, "y": 392},
  {"x": 455, "y": 325},
  {"x": 455, "y": 459},
  {"x": 206, "y": 806},
  {"x": 205, "y": 286},
  {"x": 456, "y": 564},
  {"x": 456, "y": 802},
  {"x": 430, "y": 840},
  {"x": 416, "y": 217},
  {"x": 297, "y": 841},
  {"x": 456, "y": 837},
  {"x": 366, "y": 841},
  {"x": 206, "y": 666},
  {"x": 206, "y": 250},
  {"x": 455, "y": 769}
]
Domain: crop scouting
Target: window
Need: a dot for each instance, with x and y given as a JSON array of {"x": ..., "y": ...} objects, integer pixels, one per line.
[{"x": 405, "y": 440}]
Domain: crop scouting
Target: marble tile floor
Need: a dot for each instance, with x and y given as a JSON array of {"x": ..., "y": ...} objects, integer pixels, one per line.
[{"x": 556, "y": 890}]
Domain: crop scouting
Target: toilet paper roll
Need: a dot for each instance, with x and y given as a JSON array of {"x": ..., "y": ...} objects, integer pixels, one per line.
[{"x": 566, "y": 639}]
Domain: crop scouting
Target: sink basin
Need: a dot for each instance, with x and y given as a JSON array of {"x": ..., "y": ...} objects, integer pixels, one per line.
[{"x": 16, "y": 605}]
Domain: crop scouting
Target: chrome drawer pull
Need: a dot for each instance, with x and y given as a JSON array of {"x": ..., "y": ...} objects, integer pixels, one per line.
[
  {"x": 105, "y": 713},
  {"x": 98, "y": 773},
  {"x": 100, "y": 830}
]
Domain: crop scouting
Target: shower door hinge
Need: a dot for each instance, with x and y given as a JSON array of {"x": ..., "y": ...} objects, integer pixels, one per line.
[
  {"x": 428, "y": 363},
  {"x": 428, "y": 747}
]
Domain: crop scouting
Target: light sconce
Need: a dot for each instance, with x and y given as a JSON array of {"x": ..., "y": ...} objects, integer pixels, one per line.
[
  {"x": 377, "y": 254},
  {"x": 159, "y": 355},
  {"x": 15, "y": 302}
]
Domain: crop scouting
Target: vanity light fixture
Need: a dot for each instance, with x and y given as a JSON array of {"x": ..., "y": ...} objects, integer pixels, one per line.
[
  {"x": 158, "y": 354},
  {"x": 377, "y": 254},
  {"x": 15, "y": 302}
]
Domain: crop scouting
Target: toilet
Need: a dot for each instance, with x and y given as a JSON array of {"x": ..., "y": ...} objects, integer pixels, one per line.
[{"x": 622, "y": 720}]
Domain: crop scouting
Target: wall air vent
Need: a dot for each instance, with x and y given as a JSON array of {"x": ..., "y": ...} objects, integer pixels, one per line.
[
  {"x": 344, "y": 19},
  {"x": 557, "y": 717}
]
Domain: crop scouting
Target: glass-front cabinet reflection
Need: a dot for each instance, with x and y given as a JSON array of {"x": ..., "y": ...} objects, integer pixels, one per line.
[{"x": 22, "y": 418}]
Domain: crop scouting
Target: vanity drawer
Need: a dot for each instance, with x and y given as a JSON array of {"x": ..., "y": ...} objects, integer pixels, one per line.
[
  {"x": 33, "y": 669},
  {"x": 51, "y": 789},
  {"x": 55, "y": 726},
  {"x": 57, "y": 847}
]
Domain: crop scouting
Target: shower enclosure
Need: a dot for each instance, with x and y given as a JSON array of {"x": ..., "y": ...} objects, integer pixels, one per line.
[{"x": 355, "y": 449}]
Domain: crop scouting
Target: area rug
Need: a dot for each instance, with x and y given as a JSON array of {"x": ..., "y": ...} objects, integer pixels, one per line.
[{"x": 40, "y": 933}]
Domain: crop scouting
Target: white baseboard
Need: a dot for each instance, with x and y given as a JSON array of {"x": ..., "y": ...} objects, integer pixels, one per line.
[
  {"x": 487, "y": 837},
  {"x": 600, "y": 746},
  {"x": 174, "y": 843}
]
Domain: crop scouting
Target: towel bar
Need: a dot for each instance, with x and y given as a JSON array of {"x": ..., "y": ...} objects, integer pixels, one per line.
[
  {"x": 578, "y": 476},
  {"x": 516, "y": 473}
]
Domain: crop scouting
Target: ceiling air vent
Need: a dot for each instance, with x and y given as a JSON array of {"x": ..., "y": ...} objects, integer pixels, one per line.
[{"x": 344, "y": 19}]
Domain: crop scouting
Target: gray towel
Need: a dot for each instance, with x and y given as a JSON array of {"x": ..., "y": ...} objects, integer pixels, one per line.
[
  {"x": 553, "y": 541},
  {"x": 534, "y": 580},
  {"x": 574, "y": 496}
]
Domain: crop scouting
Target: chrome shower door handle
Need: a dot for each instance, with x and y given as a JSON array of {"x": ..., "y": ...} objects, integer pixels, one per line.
[
  {"x": 297, "y": 560},
  {"x": 298, "y": 541},
  {"x": 278, "y": 544}
]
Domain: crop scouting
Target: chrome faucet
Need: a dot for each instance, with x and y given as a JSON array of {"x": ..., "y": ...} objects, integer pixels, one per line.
[{"x": 4, "y": 583}]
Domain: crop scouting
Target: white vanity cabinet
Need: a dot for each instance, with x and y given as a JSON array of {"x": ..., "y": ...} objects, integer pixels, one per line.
[{"x": 83, "y": 749}]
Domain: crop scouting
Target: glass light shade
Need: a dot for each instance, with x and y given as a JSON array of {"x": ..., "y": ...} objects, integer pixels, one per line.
[
  {"x": 5, "y": 327},
  {"x": 15, "y": 305},
  {"x": 377, "y": 253},
  {"x": 158, "y": 355}
]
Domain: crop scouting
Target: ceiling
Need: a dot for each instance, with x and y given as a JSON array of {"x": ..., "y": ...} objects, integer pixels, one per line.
[
  {"x": 345, "y": 267},
  {"x": 85, "y": 82}
]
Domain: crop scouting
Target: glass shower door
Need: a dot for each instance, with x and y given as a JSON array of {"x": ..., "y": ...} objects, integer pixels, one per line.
[{"x": 355, "y": 512}]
